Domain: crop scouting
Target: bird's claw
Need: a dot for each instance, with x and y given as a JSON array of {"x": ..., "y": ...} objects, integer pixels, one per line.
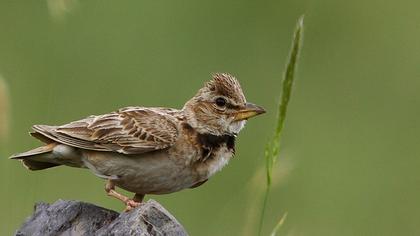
[{"x": 131, "y": 204}]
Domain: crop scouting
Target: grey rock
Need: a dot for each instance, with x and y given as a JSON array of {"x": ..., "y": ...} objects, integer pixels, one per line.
[
  {"x": 148, "y": 219},
  {"x": 67, "y": 218}
]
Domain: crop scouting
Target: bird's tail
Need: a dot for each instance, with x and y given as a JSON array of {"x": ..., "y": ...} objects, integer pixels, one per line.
[{"x": 38, "y": 158}]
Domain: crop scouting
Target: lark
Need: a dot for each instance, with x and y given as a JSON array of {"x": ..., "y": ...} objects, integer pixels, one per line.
[{"x": 150, "y": 150}]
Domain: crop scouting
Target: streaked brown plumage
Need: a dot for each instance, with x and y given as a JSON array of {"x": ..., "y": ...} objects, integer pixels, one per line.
[{"x": 150, "y": 150}]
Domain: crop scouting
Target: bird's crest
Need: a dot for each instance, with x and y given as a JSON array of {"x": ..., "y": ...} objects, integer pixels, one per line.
[{"x": 226, "y": 85}]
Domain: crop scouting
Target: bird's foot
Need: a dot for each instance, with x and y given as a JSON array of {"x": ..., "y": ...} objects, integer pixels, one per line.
[{"x": 131, "y": 204}]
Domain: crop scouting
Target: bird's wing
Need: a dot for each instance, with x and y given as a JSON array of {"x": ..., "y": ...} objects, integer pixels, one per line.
[{"x": 130, "y": 130}]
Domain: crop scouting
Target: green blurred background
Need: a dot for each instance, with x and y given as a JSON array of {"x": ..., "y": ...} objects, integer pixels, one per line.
[{"x": 350, "y": 159}]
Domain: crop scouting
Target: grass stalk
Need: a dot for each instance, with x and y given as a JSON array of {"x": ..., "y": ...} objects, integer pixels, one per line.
[
  {"x": 272, "y": 149},
  {"x": 279, "y": 224}
]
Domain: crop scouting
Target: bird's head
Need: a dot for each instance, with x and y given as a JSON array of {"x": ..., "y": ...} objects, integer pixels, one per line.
[{"x": 220, "y": 107}]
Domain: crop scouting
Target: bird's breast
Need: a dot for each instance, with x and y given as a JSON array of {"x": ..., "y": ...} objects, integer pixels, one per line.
[
  {"x": 216, "y": 160},
  {"x": 205, "y": 153}
]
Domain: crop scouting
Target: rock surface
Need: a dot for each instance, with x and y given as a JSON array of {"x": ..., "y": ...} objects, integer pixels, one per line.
[{"x": 79, "y": 218}]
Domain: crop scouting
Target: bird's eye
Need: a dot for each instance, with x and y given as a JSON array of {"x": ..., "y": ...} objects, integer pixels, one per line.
[{"x": 221, "y": 102}]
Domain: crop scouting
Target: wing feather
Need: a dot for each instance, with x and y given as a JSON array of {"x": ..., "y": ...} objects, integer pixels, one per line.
[{"x": 130, "y": 131}]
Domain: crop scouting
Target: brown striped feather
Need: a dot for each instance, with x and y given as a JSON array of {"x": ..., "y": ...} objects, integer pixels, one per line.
[{"x": 130, "y": 130}]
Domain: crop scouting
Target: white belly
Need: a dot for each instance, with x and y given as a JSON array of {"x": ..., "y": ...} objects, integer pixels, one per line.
[{"x": 153, "y": 173}]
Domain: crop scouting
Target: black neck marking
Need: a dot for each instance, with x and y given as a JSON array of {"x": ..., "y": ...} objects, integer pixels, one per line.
[
  {"x": 210, "y": 142},
  {"x": 215, "y": 141}
]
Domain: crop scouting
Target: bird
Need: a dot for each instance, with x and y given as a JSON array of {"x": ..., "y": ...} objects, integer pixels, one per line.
[{"x": 150, "y": 150}]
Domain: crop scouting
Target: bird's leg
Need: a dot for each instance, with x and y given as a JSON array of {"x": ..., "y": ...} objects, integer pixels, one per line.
[
  {"x": 138, "y": 197},
  {"x": 110, "y": 190},
  {"x": 130, "y": 203}
]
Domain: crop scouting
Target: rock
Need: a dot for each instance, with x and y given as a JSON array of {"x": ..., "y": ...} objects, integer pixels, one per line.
[{"x": 80, "y": 218}]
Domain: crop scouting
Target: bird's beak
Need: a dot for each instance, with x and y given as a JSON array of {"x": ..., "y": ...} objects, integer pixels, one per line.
[{"x": 249, "y": 111}]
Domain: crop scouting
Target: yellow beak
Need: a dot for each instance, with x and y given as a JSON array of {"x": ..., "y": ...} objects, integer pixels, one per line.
[{"x": 249, "y": 111}]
